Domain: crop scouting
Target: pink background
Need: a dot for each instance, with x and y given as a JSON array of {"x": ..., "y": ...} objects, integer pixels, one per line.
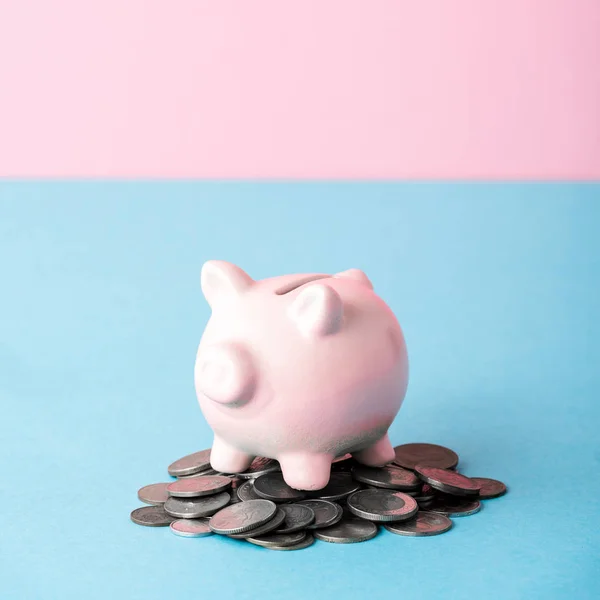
[{"x": 313, "y": 88}]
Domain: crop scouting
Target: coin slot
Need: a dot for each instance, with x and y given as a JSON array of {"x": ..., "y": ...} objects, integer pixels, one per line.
[{"x": 294, "y": 285}]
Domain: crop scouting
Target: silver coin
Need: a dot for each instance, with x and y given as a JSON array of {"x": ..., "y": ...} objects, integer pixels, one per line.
[
  {"x": 151, "y": 516},
  {"x": 431, "y": 455},
  {"x": 278, "y": 539},
  {"x": 193, "y": 508},
  {"x": 309, "y": 540},
  {"x": 424, "y": 524},
  {"x": 202, "y": 473},
  {"x": 489, "y": 488},
  {"x": 244, "y": 516},
  {"x": 297, "y": 517},
  {"x": 267, "y": 527},
  {"x": 394, "y": 478},
  {"x": 326, "y": 513},
  {"x": 273, "y": 487},
  {"x": 348, "y": 531},
  {"x": 448, "y": 481},
  {"x": 193, "y": 487},
  {"x": 455, "y": 507},
  {"x": 340, "y": 486},
  {"x": 246, "y": 492},
  {"x": 260, "y": 466},
  {"x": 191, "y": 527},
  {"x": 192, "y": 463},
  {"x": 155, "y": 493},
  {"x": 382, "y": 505}
]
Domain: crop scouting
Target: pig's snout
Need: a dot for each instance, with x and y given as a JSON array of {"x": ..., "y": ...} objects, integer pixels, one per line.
[{"x": 226, "y": 375}]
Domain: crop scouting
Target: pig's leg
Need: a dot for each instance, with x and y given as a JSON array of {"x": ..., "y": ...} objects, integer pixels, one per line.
[
  {"x": 227, "y": 459},
  {"x": 377, "y": 455},
  {"x": 304, "y": 471}
]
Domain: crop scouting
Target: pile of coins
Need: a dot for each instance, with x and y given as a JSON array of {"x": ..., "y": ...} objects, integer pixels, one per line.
[{"x": 415, "y": 495}]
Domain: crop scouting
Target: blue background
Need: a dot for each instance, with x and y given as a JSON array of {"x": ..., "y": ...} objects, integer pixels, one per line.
[{"x": 497, "y": 288}]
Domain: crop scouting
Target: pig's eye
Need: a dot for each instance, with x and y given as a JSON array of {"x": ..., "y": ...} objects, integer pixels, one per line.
[{"x": 294, "y": 285}]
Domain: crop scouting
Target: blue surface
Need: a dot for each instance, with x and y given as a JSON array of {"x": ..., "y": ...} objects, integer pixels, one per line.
[{"x": 498, "y": 291}]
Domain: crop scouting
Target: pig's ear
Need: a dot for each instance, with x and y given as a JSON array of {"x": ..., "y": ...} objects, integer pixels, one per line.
[
  {"x": 220, "y": 279},
  {"x": 355, "y": 275},
  {"x": 225, "y": 374},
  {"x": 317, "y": 310}
]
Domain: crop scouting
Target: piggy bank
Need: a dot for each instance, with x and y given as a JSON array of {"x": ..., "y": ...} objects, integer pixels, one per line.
[{"x": 299, "y": 368}]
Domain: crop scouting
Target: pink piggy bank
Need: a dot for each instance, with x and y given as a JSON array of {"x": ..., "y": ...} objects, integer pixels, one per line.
[{"x": 299, "y": 368}]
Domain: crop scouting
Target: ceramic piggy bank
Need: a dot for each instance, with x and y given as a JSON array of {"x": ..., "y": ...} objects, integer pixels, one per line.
[{"x": 299, "y": 368}]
